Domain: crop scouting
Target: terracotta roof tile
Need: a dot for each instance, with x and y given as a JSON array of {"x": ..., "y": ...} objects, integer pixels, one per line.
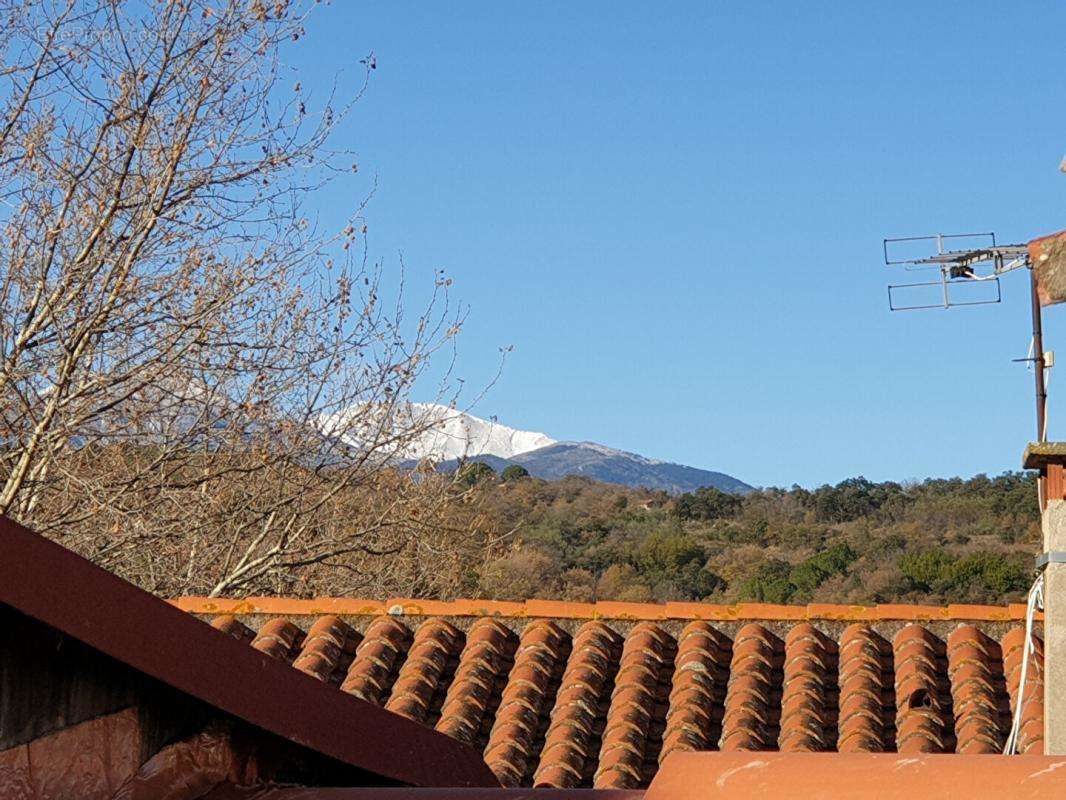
[
  {"x": 752, "y": 705},
  {"x": 383, "y": 649},
  {"x": 527, "y": 697},
  {"x": 922, "y": 704},
  {"x": 234, "y": 627},
  {"x": 423, "y": 672},
  {"x": 279, "y": 638},
  {"x": 631, "y": 729},
  {"x": 328, "y": 649},
  {"x": 571, "y": 742},
  {"x": 593, "y": 698},
  {"x": 479, "y": 679},
  {"x": 698, "y": 688},
  {"x": 975, "y": 668},
  {"x": 809, "y": 693},
  {"x": 865, "y": 670},
  {"x": 1031, "y": 734}
]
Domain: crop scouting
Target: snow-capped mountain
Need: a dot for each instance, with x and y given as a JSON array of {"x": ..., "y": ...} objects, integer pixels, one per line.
[{"x": 453, "y": 434}]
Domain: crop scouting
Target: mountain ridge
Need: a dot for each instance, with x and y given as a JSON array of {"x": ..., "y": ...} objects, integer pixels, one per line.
[
  {"x": 452, "y": 437},
  {"x": 609, "y": 465}
]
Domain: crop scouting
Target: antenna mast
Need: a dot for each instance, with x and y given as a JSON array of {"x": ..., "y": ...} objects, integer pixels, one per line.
[{"x": 1039, "y": 361}]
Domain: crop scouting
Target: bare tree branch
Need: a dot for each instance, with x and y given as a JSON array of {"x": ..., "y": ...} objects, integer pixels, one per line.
[{"x": 200, "y": 389}]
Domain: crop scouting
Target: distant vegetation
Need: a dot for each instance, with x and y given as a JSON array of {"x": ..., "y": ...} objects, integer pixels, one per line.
[{"x": 937, "y": 541}]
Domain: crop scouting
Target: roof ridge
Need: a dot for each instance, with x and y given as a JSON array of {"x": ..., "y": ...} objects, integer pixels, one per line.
[{"x": 603, "y": 609}]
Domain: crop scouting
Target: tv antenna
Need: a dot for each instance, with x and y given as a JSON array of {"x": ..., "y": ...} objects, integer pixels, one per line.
[{"x": 970, "y": 266}]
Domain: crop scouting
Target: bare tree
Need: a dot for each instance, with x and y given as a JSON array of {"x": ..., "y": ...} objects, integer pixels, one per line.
[{"x": 201, "y": 388}]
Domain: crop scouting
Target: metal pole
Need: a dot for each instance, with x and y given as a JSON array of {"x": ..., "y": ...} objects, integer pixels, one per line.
[{"x": 1038, "y": 361}]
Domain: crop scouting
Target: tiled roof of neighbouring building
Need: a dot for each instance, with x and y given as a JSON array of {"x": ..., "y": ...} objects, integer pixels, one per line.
[{"x": 572, "y": 695}]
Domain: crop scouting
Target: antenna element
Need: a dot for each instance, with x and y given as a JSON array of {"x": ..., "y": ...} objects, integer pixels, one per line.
[{"x": 970, "y": 266}]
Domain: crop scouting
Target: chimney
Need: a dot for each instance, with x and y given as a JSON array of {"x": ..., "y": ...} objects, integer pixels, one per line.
[{"x": 1050, "y": 459}]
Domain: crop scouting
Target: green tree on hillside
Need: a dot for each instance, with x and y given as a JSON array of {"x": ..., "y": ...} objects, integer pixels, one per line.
[
  {"x": 673, "y": 565},
  {"x": 514, "y": 472},
  {"x": 475, "y": 472},
  {"x": 975, "y": 575},
  {"x": 707, "y": 503}
]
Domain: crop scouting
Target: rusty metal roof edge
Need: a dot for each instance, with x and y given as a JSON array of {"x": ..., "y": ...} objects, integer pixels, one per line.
[
  {"x": 603, "y": 609},
  {"x": 60, "y": 588},
  {"x": 229, "y": 792}
]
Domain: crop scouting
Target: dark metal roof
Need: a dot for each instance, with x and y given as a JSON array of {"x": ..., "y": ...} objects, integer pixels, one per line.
[{"x": 59, "y": 588}]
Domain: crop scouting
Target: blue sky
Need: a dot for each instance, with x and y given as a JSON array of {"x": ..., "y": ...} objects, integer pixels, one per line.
[{"x": 675, "y": 216}]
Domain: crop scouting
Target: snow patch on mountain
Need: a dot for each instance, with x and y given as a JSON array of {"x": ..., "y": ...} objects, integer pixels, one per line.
[{"x": 451, "y": 433}]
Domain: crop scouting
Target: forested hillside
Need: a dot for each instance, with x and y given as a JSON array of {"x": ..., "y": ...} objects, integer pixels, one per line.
[{"x": 937, "y": 541}]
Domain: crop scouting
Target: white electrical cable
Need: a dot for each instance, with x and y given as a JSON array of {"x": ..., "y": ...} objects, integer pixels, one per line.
[
  {"x": 974, "y": 277},
  {"x": 1036, "y": 598}
]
